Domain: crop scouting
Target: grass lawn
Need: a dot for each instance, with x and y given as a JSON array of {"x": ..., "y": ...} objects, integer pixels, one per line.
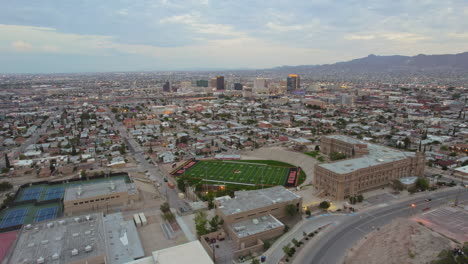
[
  {"x": 313, "y": 154},
  {"x": 248, "y": 173}
]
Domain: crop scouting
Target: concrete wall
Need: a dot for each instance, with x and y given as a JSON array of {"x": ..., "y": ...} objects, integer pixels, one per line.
[
  {"x": 96, "y": 203},
  {"x": 277, "y": 210}
]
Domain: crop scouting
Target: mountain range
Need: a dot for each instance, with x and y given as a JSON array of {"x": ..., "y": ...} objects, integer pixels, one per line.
[{"x": 389, "y": 64}]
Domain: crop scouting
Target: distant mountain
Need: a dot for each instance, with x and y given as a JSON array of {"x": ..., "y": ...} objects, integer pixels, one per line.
[{"x": 389, "y": 64}]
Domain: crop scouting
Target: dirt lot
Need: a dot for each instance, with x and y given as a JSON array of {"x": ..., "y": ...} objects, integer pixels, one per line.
[{"x": 401, "y": 242}]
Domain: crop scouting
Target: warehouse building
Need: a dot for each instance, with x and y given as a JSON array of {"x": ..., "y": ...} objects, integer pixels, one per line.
[
  {"x": 99, "y": 196},
  {"x": 368, "y": 166},
  {"x": 89, "y": 239}
]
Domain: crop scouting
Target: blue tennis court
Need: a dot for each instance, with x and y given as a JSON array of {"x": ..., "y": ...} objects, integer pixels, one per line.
[
  {"x": 31, "y": 194},
  {"x": 46, "y": 214},
  {"x": 14, "y": 217},
  {"x": 54, "y": 193}
]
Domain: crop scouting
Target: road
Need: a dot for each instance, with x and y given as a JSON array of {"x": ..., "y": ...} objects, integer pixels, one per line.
[
  {"x": 156, "y": 175},
  {"x": 275, "y": 253},
  {"x": 333, "y": 245}
]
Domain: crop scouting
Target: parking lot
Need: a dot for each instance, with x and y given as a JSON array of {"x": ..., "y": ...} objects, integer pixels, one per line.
[{"x": 452, "y": 222}]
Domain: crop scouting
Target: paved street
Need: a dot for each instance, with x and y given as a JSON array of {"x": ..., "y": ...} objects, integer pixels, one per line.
[
  {"x": 156, "y": 174},
  {"x": 332, "y": 247}
]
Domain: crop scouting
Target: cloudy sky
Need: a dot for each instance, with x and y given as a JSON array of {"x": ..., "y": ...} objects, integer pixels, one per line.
[{"x": 134, "y": 35}]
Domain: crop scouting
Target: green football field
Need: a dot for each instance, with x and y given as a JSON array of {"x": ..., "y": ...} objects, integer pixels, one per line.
[{"x": 239, "y": 172}]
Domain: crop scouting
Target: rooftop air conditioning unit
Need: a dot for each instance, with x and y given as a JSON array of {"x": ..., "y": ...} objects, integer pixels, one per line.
[
  {"x": 88, "y": 218},
  {"x": 40, "y": 260},
  {"x": 50, "y": 225},
  {"x": 55, "y": 256},
  {"x": 74, "y": 252},
  {"x": 88, "y": 248},
  {"x": 28, "y": 226}
]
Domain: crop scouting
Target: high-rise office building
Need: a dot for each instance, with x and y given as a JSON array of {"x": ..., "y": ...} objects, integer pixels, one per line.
[
  {"x": 259, "y": 84},
  {"x": 293, "y": 82},
  {"x": 166, "y": 87},
  {"x": 238, "y": 86},
  {"x": 213, "y": 83},
  {"x": 219, "y": 82},
  {"x": 202, "y": 83}
]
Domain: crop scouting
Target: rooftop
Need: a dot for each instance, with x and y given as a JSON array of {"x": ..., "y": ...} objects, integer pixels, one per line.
[
  {"x": 377, "y": 155},
  {"x": 122, "y": 240},
  {"x": 249, "y": 200},
  {"x": 63, "y": 241},
  {"x": 257, "y": 225},
  {"x": 463, "y": 169},
  {"x": 96, "y": 189},
  {"x": 71, "y": 239},
  {"x": 191, "y": 252}
]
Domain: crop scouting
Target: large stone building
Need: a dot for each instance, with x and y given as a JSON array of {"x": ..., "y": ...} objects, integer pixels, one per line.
[
  {"x": 368, "y": 166},
  {"x": 100, "y": 196}
]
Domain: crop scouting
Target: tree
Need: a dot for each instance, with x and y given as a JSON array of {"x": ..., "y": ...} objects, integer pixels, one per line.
[
  {"x": 324, "y": 205},
  {"x": 287, "y": 249},
  {"x": 422, "y": 184},
  {"x": 317, "y": 147},
  {"x": 255, "y": 261},
  {"x": 397, "y": 185},
  {"x": 407, "y": 142},
  {"x": 164, "y": 207},
  {"x": 5, "y": 186},
  {"x": 73, "y": 152},
  {"x": 360, "y": 198},
  {"x": 444, "y": 148},
  {"x": 291, "y": 210},
  {"x": 122, "y": 148},
  {"x": 215, "y": 223},
  {"x": 295, "y": 242},
  {"x": 7, "y": 161},
  {"x": 181, "y": 184},
  {"x": 337, "y": 156},
  {"x": 200, "y": 223}
]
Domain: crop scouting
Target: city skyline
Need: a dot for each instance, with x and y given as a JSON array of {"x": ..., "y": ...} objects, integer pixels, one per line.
[{"x": 194, "y": 35}]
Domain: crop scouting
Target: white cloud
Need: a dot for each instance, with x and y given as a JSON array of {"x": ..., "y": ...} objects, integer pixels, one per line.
[
  {"x": 282, "y": 28},
  {"x": 195, "y": 23},
  {"x": 20, "y": 45},
  {"x": 359, "y": 37},
  {"x": 389, "y": 36},
  {"x": 49, "y": 48}
]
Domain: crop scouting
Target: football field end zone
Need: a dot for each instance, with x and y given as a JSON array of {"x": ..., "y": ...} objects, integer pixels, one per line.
[{"x": 176, "y": 172}]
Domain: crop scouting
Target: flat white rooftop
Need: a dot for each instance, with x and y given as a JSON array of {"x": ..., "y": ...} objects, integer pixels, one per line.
[
  {"x": 191, "y": 252},
  {"x": 95, "y": 189},
  {"x": 249, "y": 200},
  {"x": 257, "y": 225}
]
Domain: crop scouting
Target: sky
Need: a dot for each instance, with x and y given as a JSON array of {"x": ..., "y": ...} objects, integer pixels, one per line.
[{"x": 54, "y": 36}]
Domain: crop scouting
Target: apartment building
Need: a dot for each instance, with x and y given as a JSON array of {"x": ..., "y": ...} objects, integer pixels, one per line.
[{"x": 368, "y": 166}]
